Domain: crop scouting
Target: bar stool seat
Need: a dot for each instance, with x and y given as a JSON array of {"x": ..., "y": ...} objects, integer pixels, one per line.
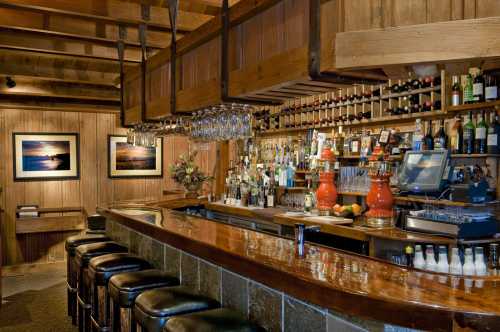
[
  {"x": 72, "y": 273},
  {"x": 84, "y": 253},
  {"x": 123, "y": 289},
  {"x": 101, "y": 269},
  {"x": 220, "y": 320},
  {"x": 153, "y": 308}
]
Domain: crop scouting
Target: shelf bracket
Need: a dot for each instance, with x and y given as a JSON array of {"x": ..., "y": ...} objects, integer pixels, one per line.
[
  {"x": 120, "y": 46},
  {"x": 173, "y": 8}
]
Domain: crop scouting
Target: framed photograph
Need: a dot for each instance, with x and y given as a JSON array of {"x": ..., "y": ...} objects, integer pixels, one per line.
[
  {"x": 128, "y": 161},
  {"x": 46, "y": 156}
]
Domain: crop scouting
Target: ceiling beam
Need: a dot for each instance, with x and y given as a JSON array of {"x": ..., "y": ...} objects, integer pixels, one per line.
[
  {"x": 68, "y": 55},
  {"x": 49, "y": 80},
  {"x": 78, "y": 37},
  {"x": 159, "y": 16}
]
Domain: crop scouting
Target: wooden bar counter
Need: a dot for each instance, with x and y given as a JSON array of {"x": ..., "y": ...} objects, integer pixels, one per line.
[{"x": 370, "y": 292}]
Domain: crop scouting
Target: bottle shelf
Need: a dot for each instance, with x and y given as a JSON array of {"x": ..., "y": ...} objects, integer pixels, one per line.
[
  {"x": 472, "y": 107},
  {"x": 392, "y": 119}
]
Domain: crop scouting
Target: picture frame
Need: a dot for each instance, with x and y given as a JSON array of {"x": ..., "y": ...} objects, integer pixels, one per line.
[
  {"x": 128, "y": 161},
  {"x": 43, "y": 156}
]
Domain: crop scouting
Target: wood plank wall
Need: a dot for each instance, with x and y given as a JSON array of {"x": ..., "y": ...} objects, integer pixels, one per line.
[{"x": 94, "y": 186}]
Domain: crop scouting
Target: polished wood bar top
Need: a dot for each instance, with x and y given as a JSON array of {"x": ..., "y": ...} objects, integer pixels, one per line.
[
  {"x": 356, "y": 231},
  {"x": 330, "y": 278}
]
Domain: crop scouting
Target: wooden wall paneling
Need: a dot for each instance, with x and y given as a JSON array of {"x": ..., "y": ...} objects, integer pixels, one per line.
[
  {"x": 89, "y": 161},
  {"x": 469, "y": 8},
  {"x": 409, "y": 12},
  {"x": 234, "y": 49},
  {"x": 105, "y": 189},
  {"x": 251, "y": 41},
  {"x": 487, "y": 8},
  {"x": 158, "y": 102},
  {"x": 71, "y": 191},
  {"x": 14, "y": 191},
  {"x": 296, "y": 23},
  {"x": 368, "y": 14},
  {"x": 439, "y": 11},
  {"x": 457, "y": 9},
  {"x": 273, "y": 32},
  {"x": 330, "y": 25}
]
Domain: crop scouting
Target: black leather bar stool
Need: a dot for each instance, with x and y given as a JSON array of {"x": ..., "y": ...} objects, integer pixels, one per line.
[
  {"x": 123, "y": 289},
  {"x": 84, "y": 254},
  {"x": 96, "y": 222},
  {"x": 72, "y": 272},
  {"x": 216, "y": 320},
  {"x": 101, "y": 269},
  {"x": 153, "y": 308}
]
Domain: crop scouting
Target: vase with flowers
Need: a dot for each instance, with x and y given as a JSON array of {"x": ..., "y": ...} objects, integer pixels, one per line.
[{"x": 185, "y": 172}]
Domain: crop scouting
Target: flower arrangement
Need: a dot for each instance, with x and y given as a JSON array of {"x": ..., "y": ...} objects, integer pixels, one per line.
[{"x": 185, "y": 172}]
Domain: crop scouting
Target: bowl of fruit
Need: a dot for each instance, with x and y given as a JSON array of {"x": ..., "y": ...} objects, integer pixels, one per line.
[{"x": 347, "y": 211}]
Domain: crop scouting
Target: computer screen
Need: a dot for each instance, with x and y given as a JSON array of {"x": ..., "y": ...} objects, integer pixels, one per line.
[{"x": 422, "y": 171}]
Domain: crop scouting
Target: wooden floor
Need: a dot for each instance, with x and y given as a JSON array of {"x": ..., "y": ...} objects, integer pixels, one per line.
[{"x": 34, "y": 299}]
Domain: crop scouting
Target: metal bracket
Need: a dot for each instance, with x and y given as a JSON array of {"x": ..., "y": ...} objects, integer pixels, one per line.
[
  {"x": 122, "y": 32},
  {"x": 173, "y": 8},
  {"x": 145, "y": 14}
]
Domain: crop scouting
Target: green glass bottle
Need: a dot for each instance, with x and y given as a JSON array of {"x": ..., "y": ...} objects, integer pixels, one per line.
[
  {"x": 469, "y": 133},
  {"x": 481, "y": 134},
  {"x": 468, "y": 90}
]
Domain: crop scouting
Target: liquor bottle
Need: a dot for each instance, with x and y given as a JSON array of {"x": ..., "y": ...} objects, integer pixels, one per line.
[
  {"x": 478, "y": 87},
  {"x": 409, "y": 255},
  {"x": 238, "y": 195},
  {"x": 428, "y": 138},
  {"x": 493, "y": 262},
  {"x": 441, "y": 139},
  {"x": 491, "y": 88},
  {"x": 455, "y": 92},
  {"x": 493, "y": 134},
  {"x": 456, "y": 136},
  {"x": 481, "y": 133},
  {"x": 270, "y": 194},
  {"x": 469, "y": 132},
  {"x": 308, "y": 198},
  {"x": 468, "y": 90},
  {"x": 418, "y": 136}
]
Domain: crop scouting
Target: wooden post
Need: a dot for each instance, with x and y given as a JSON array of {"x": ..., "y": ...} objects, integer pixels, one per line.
[{"x": 221, "y": 168}]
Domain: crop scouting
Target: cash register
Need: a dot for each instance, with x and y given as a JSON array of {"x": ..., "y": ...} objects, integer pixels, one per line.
[{"x": 428, "y": 174}]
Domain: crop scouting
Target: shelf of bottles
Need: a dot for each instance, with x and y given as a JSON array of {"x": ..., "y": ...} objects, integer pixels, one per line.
[{"x": 360, "y": 105}]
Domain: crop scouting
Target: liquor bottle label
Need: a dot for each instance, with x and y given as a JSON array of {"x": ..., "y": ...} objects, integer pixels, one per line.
[
  {"x": 492, "y": 140},
  {"x": 270, "y": 201},
  {"x": 480, "y": 133},
  {"x": 455, "y": 99},
  {"x": 491, "y": 92},
  {"x": 355, "y": 147},
  {"x": 477, "y": 89}
]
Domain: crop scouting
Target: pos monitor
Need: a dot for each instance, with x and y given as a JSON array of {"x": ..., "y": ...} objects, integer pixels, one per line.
[{"x": 424, "y": 171}]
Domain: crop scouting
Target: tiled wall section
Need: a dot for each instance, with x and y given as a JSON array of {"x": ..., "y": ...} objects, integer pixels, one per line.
[{"x": 273, "y": 310}]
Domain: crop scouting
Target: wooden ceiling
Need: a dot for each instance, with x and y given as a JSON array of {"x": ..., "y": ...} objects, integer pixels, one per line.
[{"x": 64, "y": 52}]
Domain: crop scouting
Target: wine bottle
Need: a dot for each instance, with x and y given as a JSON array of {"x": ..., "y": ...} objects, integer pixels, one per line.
[
  {"x": 441, "y": 139},
  {"x": 455, "y": 92},
  {"x": 491, "y": 89},
  {"x": 493, "y": 134},
  {"x": 456, "y": 136},
  {"x": 428, "y": 138},
  {"x": 469, "y": 131},
  {"x": 468, "y": 90},
  {"x": 478, "y": 87},
  {"x": 481, "y": 133}
]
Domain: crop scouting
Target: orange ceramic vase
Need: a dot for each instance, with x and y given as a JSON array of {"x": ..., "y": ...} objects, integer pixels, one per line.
[
  {"x": 326, "y": 195},
  {"x": 380, "y": 202}
]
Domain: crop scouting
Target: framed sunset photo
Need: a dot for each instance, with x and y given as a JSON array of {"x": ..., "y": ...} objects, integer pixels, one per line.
[
  {"x": 129, "y": 161},
  {"x": 46, "y": 156}
]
